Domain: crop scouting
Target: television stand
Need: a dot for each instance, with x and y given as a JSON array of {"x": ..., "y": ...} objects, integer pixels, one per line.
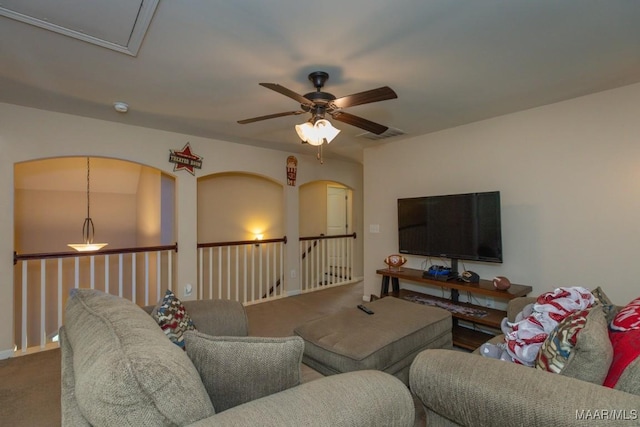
[{"x": 462, "y": 337}]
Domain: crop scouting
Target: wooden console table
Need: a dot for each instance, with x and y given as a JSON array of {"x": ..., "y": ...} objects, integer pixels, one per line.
[{"x": 462, "y": 337}]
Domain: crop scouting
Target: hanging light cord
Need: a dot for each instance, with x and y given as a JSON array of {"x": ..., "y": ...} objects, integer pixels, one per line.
[{"x": 88, "y": 230}]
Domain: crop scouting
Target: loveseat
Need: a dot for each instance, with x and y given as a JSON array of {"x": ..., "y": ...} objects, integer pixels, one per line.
[
  {"x": 466, "y": 389},
  {"x": 119, "y": 368}
]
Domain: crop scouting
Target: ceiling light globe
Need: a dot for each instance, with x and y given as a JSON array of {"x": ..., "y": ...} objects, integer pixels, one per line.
[
  {"x": 325, "y": 130},
  {"x": 304, "y": 130}
]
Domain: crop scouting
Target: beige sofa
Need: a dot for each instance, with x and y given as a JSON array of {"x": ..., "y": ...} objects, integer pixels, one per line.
[
  {"x": 467, "y": 389},
  {"x": 119, "y": 368}
]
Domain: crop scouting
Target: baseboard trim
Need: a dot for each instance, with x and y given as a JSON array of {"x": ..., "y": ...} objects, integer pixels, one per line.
[
  {"x": 6, "y": 354},
  {"x": 294, "y": 292}
]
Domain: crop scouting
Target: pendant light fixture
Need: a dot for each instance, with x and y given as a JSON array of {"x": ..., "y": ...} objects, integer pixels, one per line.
[{"x": 88, "y": 230}]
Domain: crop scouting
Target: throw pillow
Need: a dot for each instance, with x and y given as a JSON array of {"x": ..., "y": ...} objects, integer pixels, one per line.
[
  {"x": 624, "y": 373},
  {"x": 235, "y": 370},
  {"x": 627, "y": 318},
  {"x": 578, "y": 347},
  {"x": 601, "y": 299},
  {"x": 173, "y": 318},
  {"x": 126, "y": 372},
  {"x": 624, "y": 334}
]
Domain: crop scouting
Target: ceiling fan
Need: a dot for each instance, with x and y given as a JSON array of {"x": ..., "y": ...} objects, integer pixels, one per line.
[{"x": 320, "y": 103}]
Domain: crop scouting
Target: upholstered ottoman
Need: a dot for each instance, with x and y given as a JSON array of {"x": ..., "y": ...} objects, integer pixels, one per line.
[{"x": 387, "y": 340}]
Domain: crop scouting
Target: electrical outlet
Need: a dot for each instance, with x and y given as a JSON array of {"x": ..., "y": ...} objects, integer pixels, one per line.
[{"x": 489, "y": 302}]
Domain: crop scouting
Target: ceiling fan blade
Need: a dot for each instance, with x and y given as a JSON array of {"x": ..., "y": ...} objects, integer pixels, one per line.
[
  {"x": 270, "y": 116},
  {"x": 366, "y": 97},
  {"x": 359, "y": 122},
  {"x": 287, "y": 92}
]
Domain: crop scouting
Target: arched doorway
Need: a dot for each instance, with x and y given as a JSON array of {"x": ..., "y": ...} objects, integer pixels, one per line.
[{"x": 132, "y": 207}]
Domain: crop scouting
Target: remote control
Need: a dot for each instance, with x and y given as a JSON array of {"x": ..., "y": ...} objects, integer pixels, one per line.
[{"x": 365, "y": 309}]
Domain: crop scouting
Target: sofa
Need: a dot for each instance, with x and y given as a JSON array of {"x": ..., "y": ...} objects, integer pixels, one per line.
[
  {"x": 467, "y": 389},
  {"x": 120, "y": 368}
]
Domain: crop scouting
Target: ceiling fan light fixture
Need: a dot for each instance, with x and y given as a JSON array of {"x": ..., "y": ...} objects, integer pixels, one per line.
[
  {"x": 304, "y": 130},
  {"x": 325, "y": 129},
  {"x": 317, "y": 134}
]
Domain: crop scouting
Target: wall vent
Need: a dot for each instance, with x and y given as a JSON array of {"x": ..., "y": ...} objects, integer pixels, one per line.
[{"x": 389, "y": 133}]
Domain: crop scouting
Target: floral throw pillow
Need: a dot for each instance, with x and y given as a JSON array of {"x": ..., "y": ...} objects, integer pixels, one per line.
[
  {"x": 173, "y": 318},
  {"x": 578, "y": 347}
]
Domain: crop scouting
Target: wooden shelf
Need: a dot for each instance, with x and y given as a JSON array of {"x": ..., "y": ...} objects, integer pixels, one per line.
[
  {"x": 493, "y": 319},
  {"x": 485, "y": 287},
  {"x": 468, "y": 338},
  {"x": 462, "y": 337}
]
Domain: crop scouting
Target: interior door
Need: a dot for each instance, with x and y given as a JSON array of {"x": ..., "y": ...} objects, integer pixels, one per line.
[
  {"x": 337, "y": 206},
  {"x": 337, "y": 224}
]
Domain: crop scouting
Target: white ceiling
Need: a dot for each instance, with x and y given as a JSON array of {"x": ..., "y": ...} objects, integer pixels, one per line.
[{"x": 198, "y": 67}]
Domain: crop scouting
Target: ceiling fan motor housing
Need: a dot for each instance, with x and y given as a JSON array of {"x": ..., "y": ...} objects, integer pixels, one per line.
[
  {"x": 320, "y": 97},
  {"x": 318, "y": 78}
]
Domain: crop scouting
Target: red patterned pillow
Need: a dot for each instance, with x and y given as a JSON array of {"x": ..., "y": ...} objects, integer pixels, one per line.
[
  {"x": 624, "y": 334},
  {"x": 628, "y": 318},
  {"x": 173, "y": 318}
]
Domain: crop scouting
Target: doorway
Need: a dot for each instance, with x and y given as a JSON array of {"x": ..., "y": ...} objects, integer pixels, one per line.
[{"x": 338, "y": 201}]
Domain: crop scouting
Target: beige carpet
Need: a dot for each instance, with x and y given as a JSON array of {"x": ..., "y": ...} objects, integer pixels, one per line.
[{"x": 30, "y": 385}]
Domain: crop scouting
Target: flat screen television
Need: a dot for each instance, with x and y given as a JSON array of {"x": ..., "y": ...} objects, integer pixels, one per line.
[{"x": 455, "y": 226}]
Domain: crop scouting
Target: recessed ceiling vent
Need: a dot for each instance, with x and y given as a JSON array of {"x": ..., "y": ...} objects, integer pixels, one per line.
[
  {"x": 117, "y": 25},
  {"x": 389, "y": 133}
]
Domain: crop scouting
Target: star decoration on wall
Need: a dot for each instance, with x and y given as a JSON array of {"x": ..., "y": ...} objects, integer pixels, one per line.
[{"x": 185, "y": 159}]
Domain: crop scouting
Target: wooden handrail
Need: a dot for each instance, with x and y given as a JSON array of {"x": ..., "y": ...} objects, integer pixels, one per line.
[
  {"x": 242, "y": 242},
  {"x": 48, "y": 255},
  {"x": 323, "y": 237}
]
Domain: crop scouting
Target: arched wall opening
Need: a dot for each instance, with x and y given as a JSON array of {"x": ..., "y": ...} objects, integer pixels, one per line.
[
  {"x": 236, "y": 206},
  {"x": 131, "y": 205},
  {"x": 320, "y": 208}
]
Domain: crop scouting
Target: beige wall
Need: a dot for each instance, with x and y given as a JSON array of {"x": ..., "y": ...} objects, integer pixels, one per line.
[
  {"x": 62, "y": 135},
  {"x": 148, "y": 207},
  {"x": 114, "y": 215},
  {"x": 313, "y": 209},
  {"x": 569, "y": 177},
  {"x": 234, "y": 206}
]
